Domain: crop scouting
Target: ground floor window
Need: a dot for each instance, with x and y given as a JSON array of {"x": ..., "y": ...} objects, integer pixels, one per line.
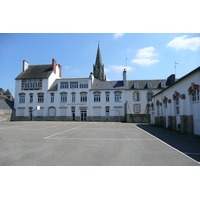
[{"x": 136, "y": 108}]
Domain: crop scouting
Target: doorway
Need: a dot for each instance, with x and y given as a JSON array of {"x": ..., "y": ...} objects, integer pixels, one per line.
[{"x": 83, "y": 115}]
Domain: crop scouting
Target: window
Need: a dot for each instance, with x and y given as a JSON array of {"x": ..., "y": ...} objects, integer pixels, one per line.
[
  {"x": 32, "y": 84},
  {"x": 136, "y": 85},
  {"x": 83, "y": 97},
  {"x": 22, "y": 98},
  {"x": 177, "y": 111},
  {"x": 107, "y": 96},
  {"x": 163, "y": 85},
  {"x": 31, "y": 98},
  {"x": 73, "y": 84},
  {"x": 63, "y": 97},
  {"x": 73, "y": 97},
  {"x": 136, "y": 108},
  {"x": 40, "y": 98},
  {"x": 195, "y": 96},
  {"x": 136, "y": 96},
  {"x": 63, "y": 85},
  {"x": 117, "y": 96},
  {"x": 97, "y": 97},
  {"x": 149, "y": 96},
  {"x": 149, "y": 85},
  {"x": 52, "y": 97},
  {"x": 37, "y": 84},
  {"x": 27, "y": 84},
  {"x": 83, "y": 84}
]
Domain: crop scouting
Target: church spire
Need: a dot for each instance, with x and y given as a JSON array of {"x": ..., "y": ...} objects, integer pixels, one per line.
[{"x": 98, "y": 68}]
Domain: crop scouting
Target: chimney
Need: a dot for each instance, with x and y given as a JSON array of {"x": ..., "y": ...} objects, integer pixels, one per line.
[
  {"x": 54, "y": 65},
  {"x": 170, "y": 80},
  {"x": 25, "y": 65},
  {"x": 60, "y": 71},
  {"x": 124, "y": 77}
]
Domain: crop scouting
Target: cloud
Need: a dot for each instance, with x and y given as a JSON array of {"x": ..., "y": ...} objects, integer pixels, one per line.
[
  {"x": 66, "y": 67},
  {"x": 145, "y": 56},
  {"x": 184, "y": 42},
  {"x": 116, "y": 35},
  {"x": 120, "y": 69}
]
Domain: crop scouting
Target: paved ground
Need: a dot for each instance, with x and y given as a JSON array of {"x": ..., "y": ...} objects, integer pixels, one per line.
[{"x": 94, "y": 144}]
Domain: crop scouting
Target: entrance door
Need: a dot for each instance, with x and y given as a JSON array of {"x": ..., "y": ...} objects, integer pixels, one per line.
[
  {"x": 83, "y": 115},
  {"x": 107, "y": 115},
  {"x": 73, "y": 115},
  {"x": 30, "y": 115}
]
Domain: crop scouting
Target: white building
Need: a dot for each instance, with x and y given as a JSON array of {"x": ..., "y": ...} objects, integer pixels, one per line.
[
  {"x": 178, "y": 106},
  {"x": 81, "y": 99}
]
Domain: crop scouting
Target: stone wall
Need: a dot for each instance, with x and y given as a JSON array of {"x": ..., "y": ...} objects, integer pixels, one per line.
[
  {"x": 138, "y": 118},
  {"x": 187, "y": 124},
  {"x": 7, "y": 115},
  {"x": 172, "y": 122}
]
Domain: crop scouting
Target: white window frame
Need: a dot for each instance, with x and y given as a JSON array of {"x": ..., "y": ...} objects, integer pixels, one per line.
[
  {"x": 40, "y": 98},
  {"x": 52, "y": 98},
  {"x": 63, "y": 85},
  {"x": 73, "y": 85},
  {"x": 73, "y": 97},
  {"x": 97, "y": 97},
  {"x": 22, "y": 98},
  {"x": 107, "y": 97},
  {"x": 63, "y": 98},
  {"x": 118, "y": 97},
  {"x": 195, "y": 96},
  {"x": 83, "y": 97}
]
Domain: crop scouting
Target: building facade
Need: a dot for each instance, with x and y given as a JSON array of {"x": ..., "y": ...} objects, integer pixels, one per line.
[
  {"x": 82, "y": 99},
  {"x": 178, "y": 106}
]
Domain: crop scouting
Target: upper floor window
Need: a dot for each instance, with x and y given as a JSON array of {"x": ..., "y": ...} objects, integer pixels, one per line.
[
  {"x": 136, "y": 85},
  {"x": 73, "y": 84},
  {"x": 63, "y": 85},
  {"x": 195, "y": 95},
  {"x": 31, "y": 97},
  {"x": 63, "y": 97},
  {"x": 84, "y": 84},
  {"x": 83, "y": 97},
  {"x": 52, "y": 97},
  {"x": 107, "y": 96},
  {"x": 22, "y": 98},
  {"x": 97, "y": 96},
  {"x": 31, "y": 84},
  {"x": 163, "y": 84},
  {"x": 40, "y": 97},
  {"x": 149, "y": 96},
  {"x": 177, "y": 111},
  {"x": 149, "y": 85},
  {"x": 73, "y": 97},
  {"x": 136, "y": 96},
  {"x": 118, "y": 96}
]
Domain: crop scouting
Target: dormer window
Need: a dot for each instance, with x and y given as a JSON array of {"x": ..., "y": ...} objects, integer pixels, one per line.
[
  {"x": 163, "y": 85},
  {"x": 149, "y": 85},
  {"x": 136, "y": 85}
]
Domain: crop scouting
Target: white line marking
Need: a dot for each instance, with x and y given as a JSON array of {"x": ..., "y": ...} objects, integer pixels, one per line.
[
  {"x": 14, "y": 126},
  {"x": 95, "y": 139},
  {"x": 54, "y": 126},
  {"x": 64, "y": 131},
  {"x": 166, "y": 144}
]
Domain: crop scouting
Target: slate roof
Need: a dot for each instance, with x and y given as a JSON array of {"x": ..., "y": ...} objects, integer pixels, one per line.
[
  {"x": 107, "y": 85},
  {"x": 5, "y": 104},
  {"x": 142, "y": 84},
  {"x": 36, "y": 72}
]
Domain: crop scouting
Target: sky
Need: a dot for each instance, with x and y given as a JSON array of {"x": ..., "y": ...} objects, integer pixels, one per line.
[{"x": 144, "y": 55}]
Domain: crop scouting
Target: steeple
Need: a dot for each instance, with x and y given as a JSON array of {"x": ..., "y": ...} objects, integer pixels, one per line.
[{"x": 98, "y": 68}]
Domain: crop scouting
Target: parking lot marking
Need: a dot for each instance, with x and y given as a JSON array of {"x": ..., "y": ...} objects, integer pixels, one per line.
[
  {"x": 166, "y": 144},
  {"x": 95, "y": 139},
  {"x": 64, "y": 131}
]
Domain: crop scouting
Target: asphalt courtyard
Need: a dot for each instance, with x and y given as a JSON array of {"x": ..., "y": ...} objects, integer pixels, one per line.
[{"x": 94, "y": 144}]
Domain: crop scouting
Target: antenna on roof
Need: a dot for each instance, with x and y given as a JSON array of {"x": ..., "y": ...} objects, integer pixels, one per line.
[
  {"x": 175, "y": 68},
  {"x": 126, "y": 64}
]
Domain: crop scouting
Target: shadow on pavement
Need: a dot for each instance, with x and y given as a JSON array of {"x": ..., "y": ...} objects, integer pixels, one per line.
[{"x": 185, "y": 143}]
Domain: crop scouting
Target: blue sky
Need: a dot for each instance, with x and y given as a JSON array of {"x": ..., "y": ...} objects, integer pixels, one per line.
[{"x": 145, "y": 55}]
